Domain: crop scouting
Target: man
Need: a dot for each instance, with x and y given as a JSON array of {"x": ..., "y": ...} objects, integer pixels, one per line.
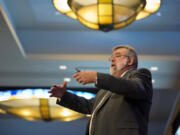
[{"x": 122, "y": 105}]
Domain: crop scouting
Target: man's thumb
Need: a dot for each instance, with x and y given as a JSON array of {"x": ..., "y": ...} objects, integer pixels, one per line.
[{"x": 64, "y": 84}]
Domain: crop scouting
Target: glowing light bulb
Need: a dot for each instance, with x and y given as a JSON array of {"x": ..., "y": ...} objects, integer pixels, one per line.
[{"x": 65, "y": 112}]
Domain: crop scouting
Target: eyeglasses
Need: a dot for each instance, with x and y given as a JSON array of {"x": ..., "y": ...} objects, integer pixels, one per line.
[{"x": 118, "y": 55}]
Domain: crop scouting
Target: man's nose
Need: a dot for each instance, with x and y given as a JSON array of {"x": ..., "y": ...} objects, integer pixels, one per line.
[{"x": 111, "y": 59}]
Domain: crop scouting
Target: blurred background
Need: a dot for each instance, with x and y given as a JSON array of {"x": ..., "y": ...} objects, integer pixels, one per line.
[{"x": 40, "y": 46}]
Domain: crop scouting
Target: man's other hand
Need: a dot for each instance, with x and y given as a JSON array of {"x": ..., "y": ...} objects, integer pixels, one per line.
[{"x": 58, "y": 90}]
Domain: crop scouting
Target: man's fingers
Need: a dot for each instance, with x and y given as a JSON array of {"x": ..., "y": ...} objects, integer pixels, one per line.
[
  {"x": 79, "y": 79},
  {"x": 55, "y": 85},
  {"x": 51, "y": 95},
  {"x": 83, "y": 83},
  {"x": 76, "y": 74},
  {"x": 50, "y": 92}
]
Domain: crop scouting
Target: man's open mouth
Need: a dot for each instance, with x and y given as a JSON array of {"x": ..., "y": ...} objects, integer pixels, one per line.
[{"x": 113, "y": 65}]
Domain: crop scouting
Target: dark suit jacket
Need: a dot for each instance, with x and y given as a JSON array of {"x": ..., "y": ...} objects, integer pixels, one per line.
[{"x": 126, "y": 108}]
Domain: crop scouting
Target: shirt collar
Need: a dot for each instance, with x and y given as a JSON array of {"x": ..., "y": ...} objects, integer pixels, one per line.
[{"x": 126, "y": 72}]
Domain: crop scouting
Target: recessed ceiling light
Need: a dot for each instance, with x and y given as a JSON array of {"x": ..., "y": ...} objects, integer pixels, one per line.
[
  {"x": 153, "y": 81},
  {"x": 67, "y": 79},
  {"x": 154, "y": 68},
  {"x": 62, "y": 67}
]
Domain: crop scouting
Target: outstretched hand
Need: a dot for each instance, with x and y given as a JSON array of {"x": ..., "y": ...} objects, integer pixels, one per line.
[
  {"x": 58, "y": 90},
  {"x": 85, "y": 77}
]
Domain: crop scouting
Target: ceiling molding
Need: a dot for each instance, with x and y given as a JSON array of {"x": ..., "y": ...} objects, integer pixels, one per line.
[
  {"x": 69, "y": 56},
  {"x": 98, "y": 57},
  {"x": 159, "y": 57}
]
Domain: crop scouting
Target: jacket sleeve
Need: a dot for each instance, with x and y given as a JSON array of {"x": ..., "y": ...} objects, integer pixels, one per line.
[
  {"x": 76, "y": 103},
  {"x": 137, "y": 86}
]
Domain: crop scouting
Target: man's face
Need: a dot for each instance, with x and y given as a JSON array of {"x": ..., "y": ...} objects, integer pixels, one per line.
[{"x": 119, "y": 60}]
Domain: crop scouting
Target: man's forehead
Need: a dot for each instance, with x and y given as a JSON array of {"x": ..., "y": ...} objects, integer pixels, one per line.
[{"x": 120, "y": 50}]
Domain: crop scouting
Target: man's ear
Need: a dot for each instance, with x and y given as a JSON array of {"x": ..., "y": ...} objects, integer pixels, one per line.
[{"x": 130, "y": 61}]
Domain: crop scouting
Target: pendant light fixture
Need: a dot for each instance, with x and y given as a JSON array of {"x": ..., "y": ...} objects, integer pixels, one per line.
[
  {"x": 35, "y": 104},
  {"x": 107, "y": 15}
]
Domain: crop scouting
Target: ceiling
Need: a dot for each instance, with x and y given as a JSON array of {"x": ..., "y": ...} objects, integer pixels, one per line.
[{"x": 35, "y": 40}]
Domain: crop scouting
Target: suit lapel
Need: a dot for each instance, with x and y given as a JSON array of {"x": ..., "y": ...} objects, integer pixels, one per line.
[
  {"x": 99, "y": 105},
  {"x": 104, "y": 99}
]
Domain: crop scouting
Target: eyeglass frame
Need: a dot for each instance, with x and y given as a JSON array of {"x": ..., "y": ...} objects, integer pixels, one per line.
[{"x": 117, "y": 55}]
